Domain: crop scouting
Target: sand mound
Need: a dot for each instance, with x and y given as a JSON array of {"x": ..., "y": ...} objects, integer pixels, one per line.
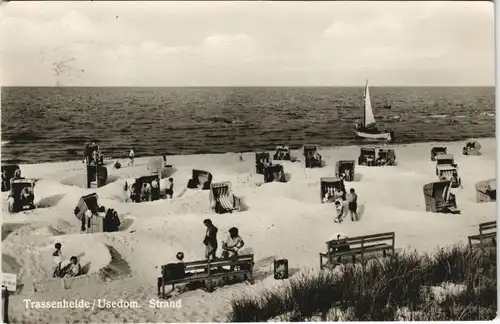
[
  {"x": 117, "y": 267},
  {"x": 9, "y": 264},
  {"x": 285, "y": 220},
  {"x": 80, "y": 180},
  {"x": 8, "y": 228}
]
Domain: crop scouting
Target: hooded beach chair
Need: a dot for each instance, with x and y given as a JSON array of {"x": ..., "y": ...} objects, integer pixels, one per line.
[
  {"x": 94, "y": 224},
  {"x": 261, "y": 160},
  {"x": 155, "y": 190},
  {"x": 222, "y": 199},
  {"x": 274, "y": 173},
  {"x": 345, "y": 167},
  {"x": 445, "y": 159},
  {"x": 445, "y": 172},
  {"x": 155, "y": 166},
  {"x": 386, "y": 157},
  {"x": 200, "y": 180},
  {"x": 472, "y": 147},
  {"x": 439, "y": 199},
  {"x": 486, "y": 190},
  {"x": 88, "y": 153},
  {"x": 329, "y": 186},
  {"x": 311, "y": 155},
  {"x": 367, "y": 155},
  {"x": 23, "y": 193},
  {"x": 9, "y": 171},
  {"x": 437, "y": 150},
  {"x": 282, "y": 153},
  {"x": 87, "y": 202},
  {"x": 97, "y": 176}
]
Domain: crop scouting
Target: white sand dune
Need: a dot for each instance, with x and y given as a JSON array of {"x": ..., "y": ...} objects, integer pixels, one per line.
[{"x": 282, "y": 220}]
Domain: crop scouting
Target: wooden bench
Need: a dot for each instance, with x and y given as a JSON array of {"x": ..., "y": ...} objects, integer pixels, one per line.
[
  {"x": 207, "y": 271},
  {"x": 360, "y": 245},
  {"x": 487, "y": 231}
]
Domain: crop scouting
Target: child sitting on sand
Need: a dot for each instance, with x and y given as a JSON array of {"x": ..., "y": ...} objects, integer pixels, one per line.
[{"x": 73, "y": 269}]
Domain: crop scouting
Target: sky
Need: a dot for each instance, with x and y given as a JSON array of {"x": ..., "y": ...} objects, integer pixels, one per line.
[{"x": 211, "y": 43}]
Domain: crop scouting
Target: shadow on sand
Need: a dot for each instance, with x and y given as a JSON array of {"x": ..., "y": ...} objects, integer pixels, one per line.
[{"x": 50, "y": 201}]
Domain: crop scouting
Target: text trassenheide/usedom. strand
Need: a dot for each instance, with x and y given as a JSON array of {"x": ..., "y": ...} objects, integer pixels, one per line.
[{"x": 99, "y": 303}]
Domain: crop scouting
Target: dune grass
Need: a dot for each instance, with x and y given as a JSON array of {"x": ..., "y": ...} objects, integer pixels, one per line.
[{"x": 397, "y": 287}]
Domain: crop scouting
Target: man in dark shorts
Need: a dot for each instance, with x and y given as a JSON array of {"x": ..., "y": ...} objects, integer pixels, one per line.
[{"x": 353, "y": 204}]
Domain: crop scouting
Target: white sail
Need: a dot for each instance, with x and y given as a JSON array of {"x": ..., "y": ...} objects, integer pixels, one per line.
[{"x": 369, "y": 118}]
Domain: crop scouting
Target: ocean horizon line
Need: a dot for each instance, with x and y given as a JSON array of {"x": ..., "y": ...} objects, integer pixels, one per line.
[{"x": 252, "y": 86}]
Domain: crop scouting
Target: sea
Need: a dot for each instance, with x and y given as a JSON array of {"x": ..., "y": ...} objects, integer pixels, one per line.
[{"x": 42, "y": 124}]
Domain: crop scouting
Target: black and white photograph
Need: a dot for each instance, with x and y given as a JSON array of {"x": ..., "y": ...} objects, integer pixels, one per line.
[{"x": 248, "y": 161}]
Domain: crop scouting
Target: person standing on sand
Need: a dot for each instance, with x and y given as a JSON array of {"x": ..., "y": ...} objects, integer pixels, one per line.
[
  {"x": 170, "y": 189},
  {"x": 210, "y": 240},
  {"x": 339, "y": 206},
  {"x": 353, "y": 204},
  {"x": 131, "y": 157},
  {"x": 57, "y": 260}
]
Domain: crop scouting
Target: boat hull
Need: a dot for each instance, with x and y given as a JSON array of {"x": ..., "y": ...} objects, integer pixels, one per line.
[{"x": 375, "y": 137}]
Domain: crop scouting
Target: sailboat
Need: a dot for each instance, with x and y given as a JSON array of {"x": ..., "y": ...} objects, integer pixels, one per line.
[{"x": 368, "y": 129}]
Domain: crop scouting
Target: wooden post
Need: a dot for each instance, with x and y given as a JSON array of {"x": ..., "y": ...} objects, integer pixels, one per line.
[
  {"x": 251, "y": 271},
  {"x": 5, "y": 308},
  {"x": 162, "y": 282},
  {"x": 362, "y": 251}
]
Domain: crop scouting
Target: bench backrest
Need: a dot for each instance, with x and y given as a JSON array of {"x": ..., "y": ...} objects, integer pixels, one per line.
[
  {"x": 361, "y": 240},
  {"x": 489, "y": 226},
  {"x": 206, "y": 265}
]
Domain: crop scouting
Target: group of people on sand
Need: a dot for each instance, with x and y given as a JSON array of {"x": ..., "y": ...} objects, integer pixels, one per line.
[
  {"x": 72, "y": 269},
  {"x": 231, "y": 246},
  {"x": 149, "y": 191},
  {"x": 346, "y": 175},
  {"x": 110, "y": 219},
  {"x": 351, "y": 202},
  {"x": 6, "y": 179},
  {"x": 26, "y": 197},
  {"x": 93, "y": 155}
]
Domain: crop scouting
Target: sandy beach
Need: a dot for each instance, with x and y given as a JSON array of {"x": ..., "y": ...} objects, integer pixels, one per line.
[{"x": 283, "y": 220}]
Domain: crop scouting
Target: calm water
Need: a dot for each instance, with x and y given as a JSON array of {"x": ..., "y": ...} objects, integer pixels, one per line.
[{"x": 52, "y": 124}]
